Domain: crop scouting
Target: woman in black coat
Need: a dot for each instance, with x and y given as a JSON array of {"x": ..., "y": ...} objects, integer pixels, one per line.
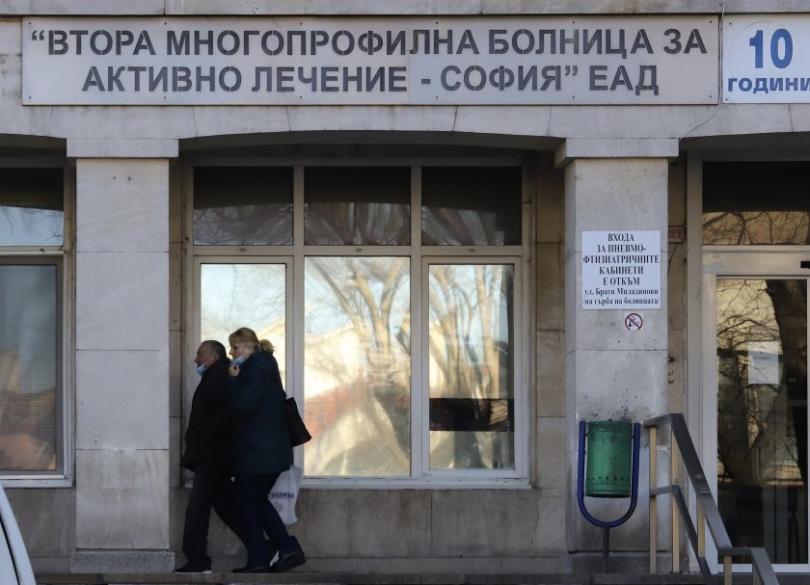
[{"x": 262, "y": 450}]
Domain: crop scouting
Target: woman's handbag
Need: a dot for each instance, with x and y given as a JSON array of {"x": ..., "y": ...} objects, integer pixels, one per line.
[{"x": 295, "y": 425}]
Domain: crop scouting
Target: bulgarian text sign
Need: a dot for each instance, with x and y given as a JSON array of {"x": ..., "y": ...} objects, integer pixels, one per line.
[
  {"x": 621, "y": 269},
  {"x": 463, "y": 60},
  {"x": 765, "y": 59}
]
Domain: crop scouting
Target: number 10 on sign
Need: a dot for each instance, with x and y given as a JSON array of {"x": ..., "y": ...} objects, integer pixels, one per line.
[{"x": 781, "y": 48}]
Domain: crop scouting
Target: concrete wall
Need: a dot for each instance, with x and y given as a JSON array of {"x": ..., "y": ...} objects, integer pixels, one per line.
[
  {"x": 47, "y": 521},
  {"x": 676, "y": 292},
  {"x": 612, "y": 373},
  {"x": 122, "y": 359},
  {"x": 484, "y": 530}
]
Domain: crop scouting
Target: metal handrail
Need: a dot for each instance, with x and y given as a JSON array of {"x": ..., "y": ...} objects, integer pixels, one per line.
[{"x": 707, "y": 511}]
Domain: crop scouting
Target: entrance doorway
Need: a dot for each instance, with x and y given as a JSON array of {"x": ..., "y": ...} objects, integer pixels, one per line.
[{"x": 755, "y": 381}]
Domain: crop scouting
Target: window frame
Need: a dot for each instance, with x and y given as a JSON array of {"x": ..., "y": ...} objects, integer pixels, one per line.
[
  {"x": 62, "y": 257},
  {"x": 518, "y": 255}
]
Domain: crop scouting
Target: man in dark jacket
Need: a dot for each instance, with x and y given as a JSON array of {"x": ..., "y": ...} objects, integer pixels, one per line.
[{"x": 209, "y": 454}]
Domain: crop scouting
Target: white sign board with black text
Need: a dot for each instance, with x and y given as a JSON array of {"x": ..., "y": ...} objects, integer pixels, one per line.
[
  {"x": 766, "y": 58},
  {"x": 621, "y": 269},
  {"x": 370, "y": 61}
]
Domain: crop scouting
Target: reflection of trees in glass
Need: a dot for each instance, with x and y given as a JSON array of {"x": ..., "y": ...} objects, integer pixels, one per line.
[
  {"x": 244, "y": 225},
  {"x": 372, "y": 224},
  {"x": 27, "y": 420},
  {"x": 247, "y": 206},
  {"x": 28, "y": 367},
  {"x": 748, "y": 202},
  {"x": 762, "y": 419},
  {"x": 31, "y": 207},
  {"x": 243, "y": 295},
  {"x": 471, "y": 206},
  {"x": 357, "y": 205},
  {"x": 754, "y": 312},
  {"x": 358, "y": 365},
  {"x": 22, "y": 226},
  {"x": 358, "y": 370},
  {"x": 471, "y": 355},
  {"x": 471, "y": 333},
  {"x": 756, "y": 227}
]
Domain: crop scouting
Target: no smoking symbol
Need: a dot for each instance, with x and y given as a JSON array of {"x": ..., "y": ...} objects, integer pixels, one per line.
[{"x": 633, "y": 322}]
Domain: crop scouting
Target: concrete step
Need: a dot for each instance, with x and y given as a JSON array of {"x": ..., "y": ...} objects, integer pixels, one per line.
[
  {"x": 322, "y": 578},
  {"x": 300, "y": 578},
  {"x": 312, "y": 578}
]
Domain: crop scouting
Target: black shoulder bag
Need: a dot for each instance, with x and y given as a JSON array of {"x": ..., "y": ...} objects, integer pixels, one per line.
[{"x": 296, "y": 428}]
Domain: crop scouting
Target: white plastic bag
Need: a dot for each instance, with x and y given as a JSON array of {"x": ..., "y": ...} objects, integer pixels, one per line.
[{"x": 285, "y": 493}]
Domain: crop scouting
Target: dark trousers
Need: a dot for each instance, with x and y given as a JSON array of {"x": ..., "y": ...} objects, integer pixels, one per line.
[
  {"x": 212, "y": 488},
  {"x": 258, "y": 516}
]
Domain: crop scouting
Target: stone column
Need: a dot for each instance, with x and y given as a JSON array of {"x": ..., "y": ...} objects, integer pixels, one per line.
[
  {"x": 611, "y": 372},
  {"x": 122, "y": 349}
]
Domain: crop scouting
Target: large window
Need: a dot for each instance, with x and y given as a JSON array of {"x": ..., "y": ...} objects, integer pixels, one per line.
[
  {"x": 393, "y": 297},
  {"x": 31, "y": 240}
]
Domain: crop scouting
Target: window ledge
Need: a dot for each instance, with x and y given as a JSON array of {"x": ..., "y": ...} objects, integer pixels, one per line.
[
  {"x": 35, "y": 482},
  {"x": 441, "y": 483},
  {"x": 344, "y": 483}
]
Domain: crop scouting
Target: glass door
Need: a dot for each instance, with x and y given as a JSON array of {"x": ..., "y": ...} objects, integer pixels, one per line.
[
  {"x": 761, "y": 392},
  {"x": 755, "y": 234}
]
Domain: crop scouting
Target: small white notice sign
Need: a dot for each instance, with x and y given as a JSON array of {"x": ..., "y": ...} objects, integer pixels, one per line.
[
  {"x": 763, "y": 362},
  {"x": 621, "y": 269}
]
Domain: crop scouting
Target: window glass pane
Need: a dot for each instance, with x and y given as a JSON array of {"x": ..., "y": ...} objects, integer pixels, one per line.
[
  {"x": 471, "y": 366},
  {"x": 31, "y": 207},
  {"x": 29, "y": 345},
  {"x": 243, "y": 206},
  {"x": 756, "y": 203},
  {"x": 357, "y": 206},
  {"x": 357, "y": 366},
  {"x": 471, "y": 206},
  {"x": 244, "y": 295}
]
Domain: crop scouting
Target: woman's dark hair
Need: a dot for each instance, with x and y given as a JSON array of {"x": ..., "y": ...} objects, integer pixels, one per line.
[{"x": 216, "y": 347}]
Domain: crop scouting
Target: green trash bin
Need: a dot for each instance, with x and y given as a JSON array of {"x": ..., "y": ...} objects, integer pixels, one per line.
[{"x": 610, "y": 448}]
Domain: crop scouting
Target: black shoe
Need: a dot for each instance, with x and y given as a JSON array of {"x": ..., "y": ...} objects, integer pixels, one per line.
[
  {"x": 194, "y": 567},
  {"x": 289, "y": 560},
  {"x": 257, "y": 569}
]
